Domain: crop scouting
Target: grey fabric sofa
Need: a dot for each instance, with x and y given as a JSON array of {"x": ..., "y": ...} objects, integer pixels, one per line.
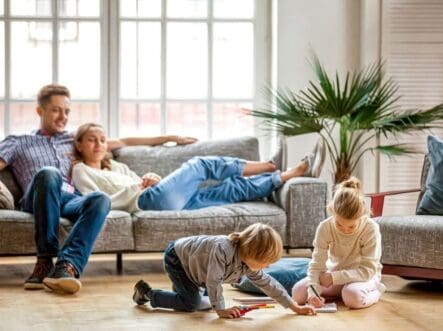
[
  {"x": 412, "y": 245},
  {"x": 297, "y": 209}
]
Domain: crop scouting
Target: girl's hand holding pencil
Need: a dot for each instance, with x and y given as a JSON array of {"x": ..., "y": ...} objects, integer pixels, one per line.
[{"x": 317, "y": 301}]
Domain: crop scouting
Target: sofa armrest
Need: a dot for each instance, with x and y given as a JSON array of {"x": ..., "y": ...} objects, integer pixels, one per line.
[
  {"x": 378, "y": 199},
  {"x": 304, "y": 199}
]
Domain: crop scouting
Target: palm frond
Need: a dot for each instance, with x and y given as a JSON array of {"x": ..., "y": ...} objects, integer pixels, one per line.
[{"x": 360, "y": 104}]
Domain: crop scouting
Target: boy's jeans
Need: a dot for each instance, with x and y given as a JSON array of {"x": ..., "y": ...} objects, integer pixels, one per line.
[
  {"x": 187, "y": 295},
  {"x": 48, "y": 202},
  {"x": 182, "y": 188}
]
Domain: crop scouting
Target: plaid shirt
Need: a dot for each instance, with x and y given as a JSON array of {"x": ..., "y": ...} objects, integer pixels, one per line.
[{"x": 28, "y": 153}]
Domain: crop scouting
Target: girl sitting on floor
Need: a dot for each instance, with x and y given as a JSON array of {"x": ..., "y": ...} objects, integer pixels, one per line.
[{"x": 346, "y": 259}]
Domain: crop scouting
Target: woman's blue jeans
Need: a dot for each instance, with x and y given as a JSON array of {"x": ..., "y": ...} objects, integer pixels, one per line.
[
  {"x": 182, "y": 188},
  {"x": 186, "y": 295},
  {"x": 48, "y": 202}
]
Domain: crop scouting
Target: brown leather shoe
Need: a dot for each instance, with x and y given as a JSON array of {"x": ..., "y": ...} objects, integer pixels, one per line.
[
  {"x": 64, "y": 278},
  {"x": 42, "y": 268}
]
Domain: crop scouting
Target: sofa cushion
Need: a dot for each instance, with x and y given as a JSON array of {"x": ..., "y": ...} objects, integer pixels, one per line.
[
  {"x": 432, "y": 200},
  {"x": 116, "y": 235},
  {"x": 8, "y": 179},
  {"x": 423, "y": 177},
  {"x": 164, "y": 160},
  {"x": 154, "y": 229},
  {"x": 16, "y": 232},
  {"x": 286, "y": 271},
  {"x": 6, "y": 198},
  {"x": 412, "y": 240}
]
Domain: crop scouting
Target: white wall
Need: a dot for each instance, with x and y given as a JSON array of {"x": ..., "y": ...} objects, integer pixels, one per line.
[{"x": 330, "y": 28}]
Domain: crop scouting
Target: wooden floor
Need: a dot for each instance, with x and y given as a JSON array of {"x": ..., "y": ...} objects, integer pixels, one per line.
[{"x": 105, "y": 303}]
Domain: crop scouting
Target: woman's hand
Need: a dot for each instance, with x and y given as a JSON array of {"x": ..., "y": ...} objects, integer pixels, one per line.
[
  {"x": 149, "y": 179},
  {"x": 233, "y": 312},
  {"x": 325, "y": 279},
  {"x": 184, "y": 140},
  {"x": 316, "y": 301},
  {"x": 302, "y": 310}
]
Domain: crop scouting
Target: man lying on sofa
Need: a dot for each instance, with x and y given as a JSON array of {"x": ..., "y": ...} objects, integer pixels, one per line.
[{"x": 40, "y": 162}]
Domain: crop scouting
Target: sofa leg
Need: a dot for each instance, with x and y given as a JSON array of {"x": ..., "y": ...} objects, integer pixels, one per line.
[{"x": 119, "y": 263}]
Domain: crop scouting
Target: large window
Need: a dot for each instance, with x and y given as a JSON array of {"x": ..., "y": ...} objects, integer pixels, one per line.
[
  {"x": 140, "y": 67},
  {"x": 49, "y": 41}
]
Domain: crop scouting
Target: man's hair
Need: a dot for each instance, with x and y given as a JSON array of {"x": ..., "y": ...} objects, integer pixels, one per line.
[
  {"x": 258, "y": 242},
  {"x": 46, "y": 92}
]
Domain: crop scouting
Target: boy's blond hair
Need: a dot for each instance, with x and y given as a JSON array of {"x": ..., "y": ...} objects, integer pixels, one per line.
[
  {"x": 348, "y": 201},
  {"x": 258, "y": 242}
]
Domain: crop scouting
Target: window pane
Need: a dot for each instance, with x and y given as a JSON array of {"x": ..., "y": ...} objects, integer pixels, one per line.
[
  {"x": 2, "y": 60},
  {"x": 233, "y": 60},
  {"x": 187, "y": 8},
  {"x": 30, "y": 40},
  {"x": 30, "y": 7},
  {"x": 1, "y": 7},
  {"x": 79, "y": 8},
  {"x": 139, "y": 119},
  {"x": 79, "y": 66},
  {"x": 186, "y": 62},
  {"x": 140, "y": 8},
  {"x": 2, "y": 121},
  {"x": 234, "y": 8},
  {"x": 140, "y": 60},
  {"x": 187, "y": 119},
  {"x": 82, "y": 113},
  {"x": 231, "y": 120},
  {"x": 24, "y": 119}
]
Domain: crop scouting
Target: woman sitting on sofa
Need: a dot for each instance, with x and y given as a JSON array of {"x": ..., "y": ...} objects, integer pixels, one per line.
[{"x": 241, "y": 180}]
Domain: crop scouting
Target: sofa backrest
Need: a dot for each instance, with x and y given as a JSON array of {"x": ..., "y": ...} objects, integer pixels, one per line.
[
  {"x": 8, "y": 179},
  {"x": 423, "y": 178},
  {"x": 163, "y": 160}
]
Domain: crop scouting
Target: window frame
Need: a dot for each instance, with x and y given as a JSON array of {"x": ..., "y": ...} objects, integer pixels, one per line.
[
  {"x": 55, "y": 19},
  {"x": 109, "y": 96}
]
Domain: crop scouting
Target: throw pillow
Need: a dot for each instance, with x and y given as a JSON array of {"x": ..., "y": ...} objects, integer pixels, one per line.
[
  {"x": 287, "y": 271},
  {"x": 6, "y": 199},
  {"x": 432, "y": 201}
]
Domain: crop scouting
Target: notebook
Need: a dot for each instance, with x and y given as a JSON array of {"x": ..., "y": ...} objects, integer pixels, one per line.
[{"x": 330, "y": 307}]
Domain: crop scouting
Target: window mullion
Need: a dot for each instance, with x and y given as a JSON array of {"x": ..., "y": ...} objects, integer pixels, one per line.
[
  {"x": 55, "y": 45},
  {"x": 109, "y": 75},
  {"x": 210, "y": 57},
  {"x": 163, "y": 69},
  {"x": 7, "y": 31}
]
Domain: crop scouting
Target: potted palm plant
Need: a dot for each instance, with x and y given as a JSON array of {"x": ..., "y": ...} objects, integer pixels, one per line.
[{"x": 358, "y": 110}]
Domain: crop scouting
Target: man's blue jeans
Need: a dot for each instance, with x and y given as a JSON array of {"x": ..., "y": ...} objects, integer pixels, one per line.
[
  {"x": 182, "y": 188},
  {"x": 48, "y": 202},
  {"x": 187, "y": 296}
]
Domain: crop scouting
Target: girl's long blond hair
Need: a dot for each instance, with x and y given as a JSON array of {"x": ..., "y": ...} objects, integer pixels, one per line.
[
  {"x": 79, "y": 134},
  {"x": 348, "y": 201},
  {"x": 258, "y": 242}
]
